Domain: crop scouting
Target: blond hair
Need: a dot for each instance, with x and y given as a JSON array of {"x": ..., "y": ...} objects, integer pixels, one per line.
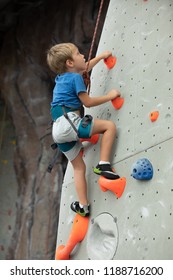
[{"x": 58, "y": 55}]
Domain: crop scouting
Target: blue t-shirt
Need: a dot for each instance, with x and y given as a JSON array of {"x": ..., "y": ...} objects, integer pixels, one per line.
[{"x": 66, "y": 90}]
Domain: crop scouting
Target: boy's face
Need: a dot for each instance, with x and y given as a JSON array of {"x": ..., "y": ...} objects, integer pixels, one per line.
[{"x": 79, "y": 64}]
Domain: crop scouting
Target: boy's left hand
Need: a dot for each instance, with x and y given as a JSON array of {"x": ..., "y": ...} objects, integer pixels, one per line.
[{"x": 106, "y": 54}]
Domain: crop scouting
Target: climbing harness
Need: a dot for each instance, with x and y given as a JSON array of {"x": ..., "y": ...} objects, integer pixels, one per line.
[
  {"x": 83, "y": 130},
  {"x": 67, "y": 118},
  {"x": 53, "y": 161},
  {"x": 85, "y": 127}
]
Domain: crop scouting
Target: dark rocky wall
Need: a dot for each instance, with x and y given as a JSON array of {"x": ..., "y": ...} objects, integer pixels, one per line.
[{"x": 27, "y": 30}]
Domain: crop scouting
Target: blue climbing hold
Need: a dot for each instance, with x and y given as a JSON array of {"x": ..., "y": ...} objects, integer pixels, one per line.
[{"x": 142, "y": 169}]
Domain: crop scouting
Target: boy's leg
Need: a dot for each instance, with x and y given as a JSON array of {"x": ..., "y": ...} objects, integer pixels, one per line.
[
  {"x": 108, "y": 129},
  {"x": 72, "y": 150},
  {"x": 81, "y": 186}
]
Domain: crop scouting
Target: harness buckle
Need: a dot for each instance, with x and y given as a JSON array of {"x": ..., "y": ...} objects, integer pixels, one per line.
[
  {"x": 84, "y": 129},
  {"x": 86, "y": 120}
]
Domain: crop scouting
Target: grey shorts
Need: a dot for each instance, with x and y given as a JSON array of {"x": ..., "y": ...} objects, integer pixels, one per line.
[{"x": 66, "y": 137}]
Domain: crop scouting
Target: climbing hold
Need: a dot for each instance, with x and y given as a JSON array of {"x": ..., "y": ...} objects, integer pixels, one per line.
[
  {"x": 142, "y": 169},
  {"x": 154, "y": 116},
  {"x": 78, "y": 232},
  {"x": 81, "y": 152},
  {"x": 93, "y": 139},
  {"x": 116, "y": 186},
  {"x": 110, "y": 61},
  {"x": 118, "y": 102}
]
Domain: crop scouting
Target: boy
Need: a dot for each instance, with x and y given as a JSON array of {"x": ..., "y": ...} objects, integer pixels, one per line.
[{"x": 68, "y": 95}]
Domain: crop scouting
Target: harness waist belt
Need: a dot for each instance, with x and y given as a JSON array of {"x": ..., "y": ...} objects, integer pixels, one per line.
[{"x": 57, "y": 111}]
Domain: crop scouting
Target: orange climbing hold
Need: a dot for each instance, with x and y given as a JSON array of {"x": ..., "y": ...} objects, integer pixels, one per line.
[
  {"x": 154, "y": 116},
  {"x": 118, "y": 102},
  {"x": 93, "y": 139},
  {"x": 81, "y": 152},
  {"x": 116, "y": 186},
  {"x": 110, "y": 61},
  {"x": 78, "y": 232}
]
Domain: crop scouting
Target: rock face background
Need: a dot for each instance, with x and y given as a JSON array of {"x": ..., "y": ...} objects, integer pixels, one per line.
[{"x": 31, "y": 201}]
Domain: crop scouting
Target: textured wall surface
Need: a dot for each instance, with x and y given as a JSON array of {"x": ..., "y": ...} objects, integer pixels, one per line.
[{"x": 139, "y": 225}]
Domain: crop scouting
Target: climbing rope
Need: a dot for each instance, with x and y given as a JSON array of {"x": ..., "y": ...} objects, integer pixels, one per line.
[
  {"x": 95, "y": 33},
  {"x": 85, "y": 74}
]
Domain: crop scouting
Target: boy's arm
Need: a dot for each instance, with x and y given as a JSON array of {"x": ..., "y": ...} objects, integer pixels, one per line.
[
  {"x": 88, "y": 101},
  {"x": 96, "y": 59}
]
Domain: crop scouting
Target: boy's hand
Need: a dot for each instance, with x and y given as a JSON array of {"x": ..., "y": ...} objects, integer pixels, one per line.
[
  {"x": 113, "y": 94},
  {"x": 96, "y": 59},
  {"x": 106, "y": 54}
]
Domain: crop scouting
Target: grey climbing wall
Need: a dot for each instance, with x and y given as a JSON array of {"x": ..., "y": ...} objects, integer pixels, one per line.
[{"x": 138, "y": 225}]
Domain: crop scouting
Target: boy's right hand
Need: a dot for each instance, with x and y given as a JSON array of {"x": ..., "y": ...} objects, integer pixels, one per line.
[{"x": 113, "y": 94}]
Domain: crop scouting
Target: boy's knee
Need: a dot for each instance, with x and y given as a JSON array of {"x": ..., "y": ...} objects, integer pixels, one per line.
[{"x": 112, "y": 126}]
